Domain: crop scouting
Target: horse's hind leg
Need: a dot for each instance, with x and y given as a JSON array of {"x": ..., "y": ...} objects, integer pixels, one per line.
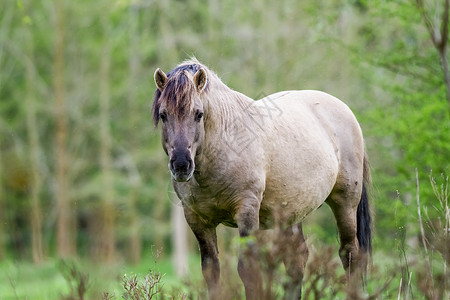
[
  {"x": 344, "y": 206},
  {"x": 295, "y": 255}
]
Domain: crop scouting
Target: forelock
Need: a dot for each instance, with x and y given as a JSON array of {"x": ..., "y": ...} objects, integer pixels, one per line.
[{"x": 178, "y": 92}]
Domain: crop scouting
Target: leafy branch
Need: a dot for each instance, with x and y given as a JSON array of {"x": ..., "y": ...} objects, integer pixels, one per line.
[{"x": 439, "y": 37}]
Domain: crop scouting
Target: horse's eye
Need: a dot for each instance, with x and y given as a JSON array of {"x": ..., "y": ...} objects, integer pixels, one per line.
[
  {"x": 163, "y": 117},
  {"x": 198, "y": 116}
]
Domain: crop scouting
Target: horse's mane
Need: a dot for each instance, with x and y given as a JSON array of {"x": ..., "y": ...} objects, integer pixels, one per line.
[{"x": 179, "y": 89}]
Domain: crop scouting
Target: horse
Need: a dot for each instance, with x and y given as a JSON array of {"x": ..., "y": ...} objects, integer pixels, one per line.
[{"x": 256, "y": 164}]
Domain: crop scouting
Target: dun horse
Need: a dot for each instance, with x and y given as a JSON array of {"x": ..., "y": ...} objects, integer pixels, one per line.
[{"x": 250, "y": 164}]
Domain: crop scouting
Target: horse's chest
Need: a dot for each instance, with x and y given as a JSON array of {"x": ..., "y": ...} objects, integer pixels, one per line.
[
  {"x": 210, "y": 209},
  {"x": 211, "y": 212}
]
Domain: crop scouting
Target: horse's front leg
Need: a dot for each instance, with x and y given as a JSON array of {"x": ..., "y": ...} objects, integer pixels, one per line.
[
  {"x": 207, "y": 241},
  {"x": 247, "y": 218}
]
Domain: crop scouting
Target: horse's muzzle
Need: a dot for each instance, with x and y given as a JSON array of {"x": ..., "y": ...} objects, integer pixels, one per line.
[{"x": 181, "y": 167}]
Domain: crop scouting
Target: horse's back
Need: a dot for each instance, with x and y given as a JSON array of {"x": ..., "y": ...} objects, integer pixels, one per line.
[
  {"x": 320, "y": 114},
  {"x": 307, "y": 145},
  {"x": 312, "y": 100}
]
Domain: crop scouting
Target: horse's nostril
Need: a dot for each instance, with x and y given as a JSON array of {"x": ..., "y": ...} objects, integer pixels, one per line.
[
  {"x": 181, "y": 161},
  {"x": 181, "y": 166}
]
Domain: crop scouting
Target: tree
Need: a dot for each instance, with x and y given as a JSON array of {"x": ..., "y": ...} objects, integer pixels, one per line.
[
  {"x": 65, "y": 223},
  {"x": 407, "y": 88},
  {"x": 34, "y": 148},
  {"x": 179, "y": 240},
  {"x": 134, "y": 179},
  {"x": 439, "y": 37},
  {"x": 107, "y": 235},
  {"x": 2, "y": 208}
]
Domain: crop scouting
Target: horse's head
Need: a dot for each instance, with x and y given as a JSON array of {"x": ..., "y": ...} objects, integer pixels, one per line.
[{"x": 177, "y": 105}]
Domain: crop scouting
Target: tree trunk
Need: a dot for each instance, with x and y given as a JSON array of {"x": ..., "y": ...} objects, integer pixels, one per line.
[
  {"x": 168, "y": 54},
  {"x": 135, "y": 237},
  {"x": 65, "y": 236},
  {"x": 133, "y": 63},
  {"x": 179, "y": 240},
  {"x": 159, "y": 212},
  {"x": 8, "y": 8},
  {"x": 2, "y": 211},
  {"x": 33, "y": 140},
  {"x": 107, "y": 250}
]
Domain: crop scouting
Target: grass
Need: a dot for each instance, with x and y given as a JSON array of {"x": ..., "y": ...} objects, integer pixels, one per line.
[
  {"x": 416, "y": 269},
  {"x": 24, "y": 280},
  {"x": 325, "y": 280}
]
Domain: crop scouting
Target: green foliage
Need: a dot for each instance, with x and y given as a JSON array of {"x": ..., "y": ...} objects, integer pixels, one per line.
[
  {"x": 377, "y": 56},
  {"x": 408, "y": 120}
]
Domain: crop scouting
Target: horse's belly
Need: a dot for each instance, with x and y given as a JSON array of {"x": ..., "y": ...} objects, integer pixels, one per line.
[
  {"x": 294, "y": 189},
  {"x": 287, "y": 208}
]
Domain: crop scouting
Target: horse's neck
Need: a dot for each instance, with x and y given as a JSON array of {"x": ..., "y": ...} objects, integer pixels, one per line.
[
  {"x": 224, "y": 114},
  {"x": 225, "y": 106}
]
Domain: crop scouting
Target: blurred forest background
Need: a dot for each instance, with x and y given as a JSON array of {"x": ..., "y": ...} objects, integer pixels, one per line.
[{"x": 82, "y": 171}]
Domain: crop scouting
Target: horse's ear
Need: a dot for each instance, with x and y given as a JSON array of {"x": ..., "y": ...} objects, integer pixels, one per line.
[
  {"x": 200, "y": 80},
  {"x": 160, "y": 79}
]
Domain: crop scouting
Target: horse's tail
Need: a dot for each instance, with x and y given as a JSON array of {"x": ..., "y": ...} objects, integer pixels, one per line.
[{"x": 363, "y": 215}]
